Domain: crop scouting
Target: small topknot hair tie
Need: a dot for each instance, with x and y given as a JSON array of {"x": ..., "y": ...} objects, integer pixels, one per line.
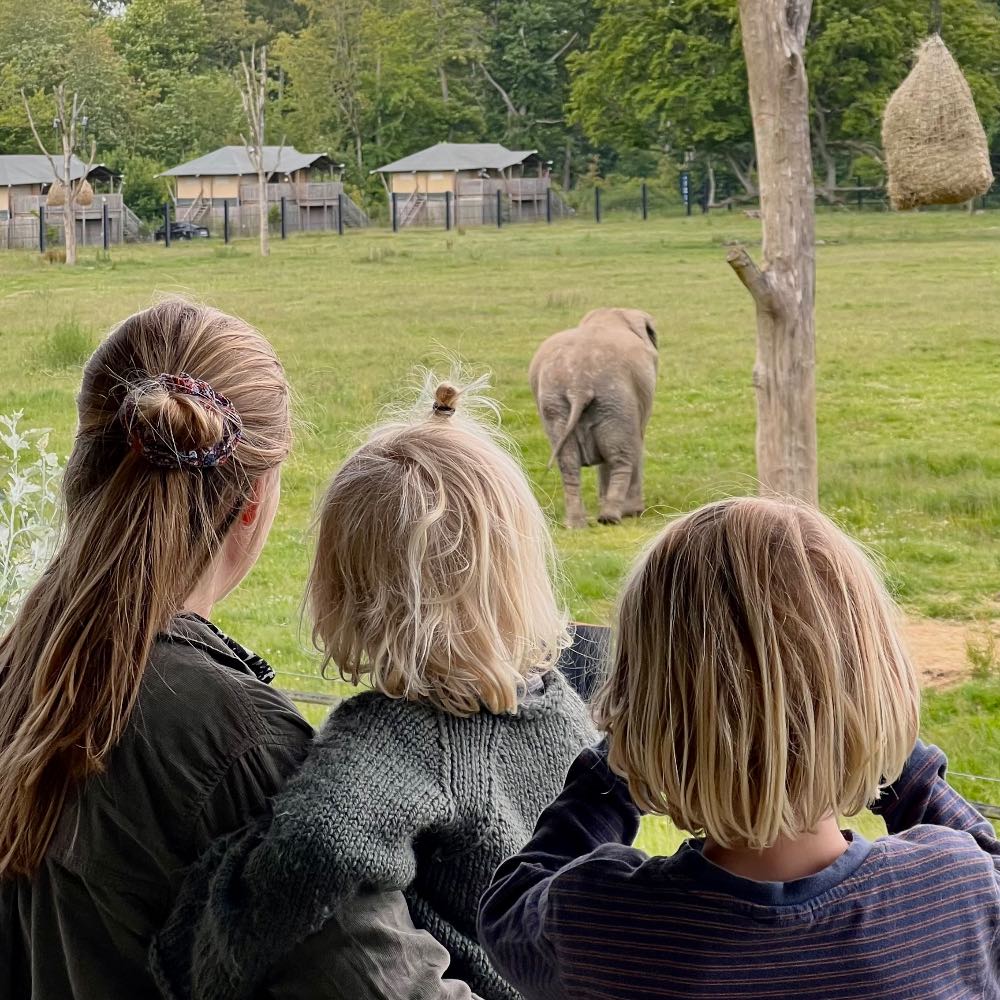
[
  {"x": 445, "y": 397},
  {"x": 158, "y": 447}
]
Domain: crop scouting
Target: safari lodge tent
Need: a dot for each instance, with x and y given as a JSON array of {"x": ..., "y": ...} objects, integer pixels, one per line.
[
  {"x": 25, "y": 185},
  {"x": 464, "y": 179},
  {"x": 309, "y": 182}
]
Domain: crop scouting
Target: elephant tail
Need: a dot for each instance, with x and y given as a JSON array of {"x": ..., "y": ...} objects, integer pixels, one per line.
[{"x": 576, "y": 408}]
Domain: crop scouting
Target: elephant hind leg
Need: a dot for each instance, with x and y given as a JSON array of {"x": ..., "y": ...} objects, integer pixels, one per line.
[
  {"x": 634, "y": 504},
  {"x": 569, "y": 467},
  {"x": 619, "y": 478}
]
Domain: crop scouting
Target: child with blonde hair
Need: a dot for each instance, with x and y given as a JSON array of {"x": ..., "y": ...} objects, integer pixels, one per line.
[
  {"x": 431, "y": 583},
  {"x": 759, "y": 690}
]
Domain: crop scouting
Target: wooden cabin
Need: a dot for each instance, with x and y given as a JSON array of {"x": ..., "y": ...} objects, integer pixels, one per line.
[
  {"x": 465, "y": 177},
  {"x": 25, "y": 180},
  {"x": 309, "y": 182}
]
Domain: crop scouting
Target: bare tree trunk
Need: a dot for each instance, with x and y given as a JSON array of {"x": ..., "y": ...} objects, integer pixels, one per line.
[
  {"x": 783, "y": 290},
  {"x": 254, "y": 95},
  {"x": 69, "y": 202},
  {"x": 744, "y": 174},
  {"x": 710, "y": 170},
  {"x": 69, "y": 119},
  {"x": 829, "y": 190}
]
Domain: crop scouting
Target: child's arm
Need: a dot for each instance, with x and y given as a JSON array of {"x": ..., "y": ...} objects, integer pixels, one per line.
[
  {"x": 922, "y": 796},
  {"x": 594, "y": 808},
  {"x": 345, "y": 824},
  {"x": 369, "y": 950}
]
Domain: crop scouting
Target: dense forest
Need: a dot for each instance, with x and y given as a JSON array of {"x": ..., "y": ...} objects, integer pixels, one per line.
[{"x": 603, "y": 88}]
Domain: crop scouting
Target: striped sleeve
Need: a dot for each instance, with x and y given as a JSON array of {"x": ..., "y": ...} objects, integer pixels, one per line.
[
  {"x": 921, "y": 795},
  {"x": 593, "y": 809}
]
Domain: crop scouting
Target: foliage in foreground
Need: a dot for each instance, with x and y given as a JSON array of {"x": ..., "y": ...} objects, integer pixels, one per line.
[{"x": 29, "y": 508}]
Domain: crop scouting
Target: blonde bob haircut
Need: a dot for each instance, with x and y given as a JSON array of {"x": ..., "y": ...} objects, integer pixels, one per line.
[
  {"x": 759, "y": 683},
  {"x": 432, "y": 576}
]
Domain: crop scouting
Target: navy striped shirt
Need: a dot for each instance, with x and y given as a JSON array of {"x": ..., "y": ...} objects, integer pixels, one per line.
[{"x": 579, "y": 915}]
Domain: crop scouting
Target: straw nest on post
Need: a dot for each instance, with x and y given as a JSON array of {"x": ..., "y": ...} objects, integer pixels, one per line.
[
  {"x": 57, "y": 195},
  {"x": 935, "y": 146}
]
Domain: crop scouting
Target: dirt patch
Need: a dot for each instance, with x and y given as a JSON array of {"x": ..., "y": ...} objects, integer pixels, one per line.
[{"x": 940, "y": 648}]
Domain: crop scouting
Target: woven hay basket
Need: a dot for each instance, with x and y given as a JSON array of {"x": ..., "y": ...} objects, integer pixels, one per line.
[
  {"x": 935, "y": 147},
  {"x": 57, "y": 195}
]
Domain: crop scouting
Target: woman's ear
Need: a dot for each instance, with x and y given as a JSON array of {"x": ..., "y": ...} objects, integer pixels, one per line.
[{"x": 250, "y": 512}]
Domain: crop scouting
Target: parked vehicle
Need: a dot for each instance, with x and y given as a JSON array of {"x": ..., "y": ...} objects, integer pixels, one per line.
[{"x": 181, "y": 230}]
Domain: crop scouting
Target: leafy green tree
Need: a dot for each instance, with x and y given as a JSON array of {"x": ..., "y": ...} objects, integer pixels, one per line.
[
  {"x": 668, "y": 77},
  {"x": 161, "y": 41},
  {"x": 45, "y": 43},
  {"x": 525, "y": 67}
]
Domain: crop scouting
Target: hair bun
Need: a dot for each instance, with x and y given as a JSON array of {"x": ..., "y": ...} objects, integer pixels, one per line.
[
  {"x": 445, "y": 398},
  {"x": 177, "y": 421}
]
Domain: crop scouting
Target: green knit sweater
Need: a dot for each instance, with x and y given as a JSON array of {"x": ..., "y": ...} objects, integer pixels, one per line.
[{"x": 394, "y": 795}]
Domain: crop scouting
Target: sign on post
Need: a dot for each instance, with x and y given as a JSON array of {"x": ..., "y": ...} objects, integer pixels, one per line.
[{"x": 686, "y": 191}]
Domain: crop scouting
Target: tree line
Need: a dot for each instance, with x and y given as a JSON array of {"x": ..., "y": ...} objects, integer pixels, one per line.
[{"x": 602, "y": 88}]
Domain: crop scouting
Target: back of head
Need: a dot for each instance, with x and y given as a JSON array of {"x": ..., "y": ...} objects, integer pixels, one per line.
[
  {"x": 181, "y": 411},
  {"x": 432, "y": 570},
  {"x": 759, "y": 682}
]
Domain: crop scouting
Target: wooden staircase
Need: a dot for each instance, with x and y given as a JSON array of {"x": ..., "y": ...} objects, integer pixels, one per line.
[{"x": 411, "y": 209}]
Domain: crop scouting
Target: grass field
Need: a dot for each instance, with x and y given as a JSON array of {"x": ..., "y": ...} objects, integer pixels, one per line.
[{"x": 908, "y": 378}]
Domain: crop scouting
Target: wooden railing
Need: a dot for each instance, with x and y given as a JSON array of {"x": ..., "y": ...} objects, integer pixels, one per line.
[
  {"x": 315, "y": 192},
  {"x": 28, "y": 204},
  {"x": 518, "y": 187}
]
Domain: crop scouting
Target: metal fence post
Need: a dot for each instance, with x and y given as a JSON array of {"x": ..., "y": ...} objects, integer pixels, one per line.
[
  {"x": 395, "y": 218},
  {"x": 340, "y": 213},
  {"x": 447, "y": 210},
  {"x": 225, "y": 220},
  {"x": 597, "y": 204},
  {"x": 548, "y": 205},
  {"x": 284, "y": 221},
  {"x": 166, "y": 223},
  {"x": 645, "y": 201},
  {"x": 105, "y": 227},
  {"x": 499, "y": 209},
  {"x": 41, "y": 229}
]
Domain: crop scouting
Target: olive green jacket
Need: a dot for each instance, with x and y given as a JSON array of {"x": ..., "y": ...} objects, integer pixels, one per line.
[{"x": 206, "y": 747}]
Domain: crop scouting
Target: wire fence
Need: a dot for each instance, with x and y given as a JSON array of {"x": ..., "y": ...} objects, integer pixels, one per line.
[{"x": 483, "y": 204}]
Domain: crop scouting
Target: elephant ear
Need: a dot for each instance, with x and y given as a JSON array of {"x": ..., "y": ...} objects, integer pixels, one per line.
[{"x": 642, "y": 325}]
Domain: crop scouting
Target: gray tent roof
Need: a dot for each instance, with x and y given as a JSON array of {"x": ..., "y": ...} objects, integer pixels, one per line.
[
  {"x": 459, "y": 156},
  {"x": 19, "y": 168},
  {"x": 234, "y": 160}
]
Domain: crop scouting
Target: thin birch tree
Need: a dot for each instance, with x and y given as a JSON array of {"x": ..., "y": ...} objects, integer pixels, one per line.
[
  {"x": 253, "y": 91},
  {"x": 69, "y": 124}
]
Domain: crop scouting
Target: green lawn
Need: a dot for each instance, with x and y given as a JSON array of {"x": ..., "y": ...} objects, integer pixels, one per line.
[{"x": 908, "y": 378}]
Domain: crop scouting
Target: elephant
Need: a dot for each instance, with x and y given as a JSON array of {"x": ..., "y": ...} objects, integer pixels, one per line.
[{"x": 593, "y": 386}]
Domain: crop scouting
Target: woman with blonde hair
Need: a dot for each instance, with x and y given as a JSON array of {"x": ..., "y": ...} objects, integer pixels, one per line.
[
  {"x": 759, "y": 691},
  {"x": 430, "y": 584},
  {"x": 132, "y": 731}
]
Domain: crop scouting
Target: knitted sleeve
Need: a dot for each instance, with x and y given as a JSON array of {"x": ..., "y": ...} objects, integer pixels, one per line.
[{"x": 345, "y": 824}]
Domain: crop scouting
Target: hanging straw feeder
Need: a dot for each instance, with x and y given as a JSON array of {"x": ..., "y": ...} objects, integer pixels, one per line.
[
  {"x": 935, "y": 146},
  {"x": 57, "y": 195}
]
